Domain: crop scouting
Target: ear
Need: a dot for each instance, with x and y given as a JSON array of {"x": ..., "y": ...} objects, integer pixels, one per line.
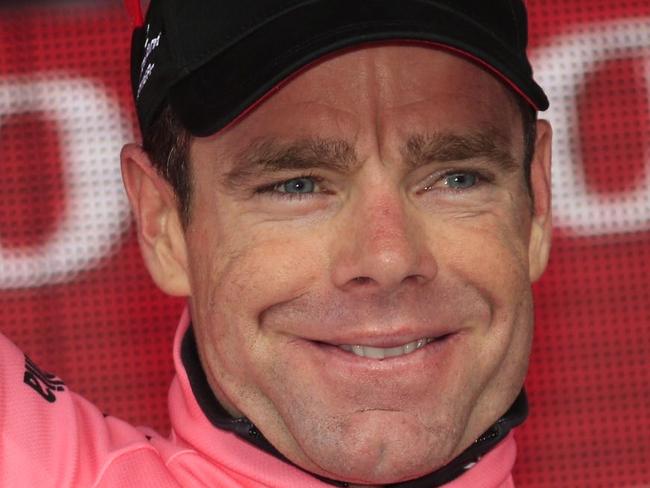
[
  {"x": 160, "y": 233},
  {"x": 539, "y": 246}
]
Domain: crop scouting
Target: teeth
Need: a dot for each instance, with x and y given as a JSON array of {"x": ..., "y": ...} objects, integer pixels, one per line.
[{"x": 386, "y": 352}]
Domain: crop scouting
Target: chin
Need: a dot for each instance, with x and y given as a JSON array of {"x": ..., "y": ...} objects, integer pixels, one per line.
[{"x": 381, "y": 447}]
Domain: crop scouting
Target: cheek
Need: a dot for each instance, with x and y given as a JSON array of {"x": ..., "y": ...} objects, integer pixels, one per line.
[
  {"x": 489, "y": 251},
  {"x": 263, "y": 269},
  {"x": 238, "y": 261},
  {"x": 489, "y": 254},
  {"x": 239, "y": 275}
]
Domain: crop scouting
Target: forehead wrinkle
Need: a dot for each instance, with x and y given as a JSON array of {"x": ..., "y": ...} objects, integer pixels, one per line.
[
  {"x": 266, "y": 155},
  {"x": 442, "y": 147}
]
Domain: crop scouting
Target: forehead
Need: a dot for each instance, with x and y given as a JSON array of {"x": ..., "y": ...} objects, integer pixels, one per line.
[{"x": 395, "y": 90}]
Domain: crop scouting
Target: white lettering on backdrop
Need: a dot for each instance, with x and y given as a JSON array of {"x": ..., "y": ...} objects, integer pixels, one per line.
[
  {"x": 92, "y": 130},
  {"x": 561, "y": 68}
]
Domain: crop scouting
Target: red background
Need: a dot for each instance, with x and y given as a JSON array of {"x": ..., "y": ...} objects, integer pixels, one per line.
[{"x": 107, "y": 330}]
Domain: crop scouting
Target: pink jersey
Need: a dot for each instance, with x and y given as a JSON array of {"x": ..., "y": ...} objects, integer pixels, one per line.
[{"x": 51, "y": 437}]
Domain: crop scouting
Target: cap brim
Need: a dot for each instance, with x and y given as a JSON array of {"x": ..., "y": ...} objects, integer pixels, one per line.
[{"x": 236, "y": 79}]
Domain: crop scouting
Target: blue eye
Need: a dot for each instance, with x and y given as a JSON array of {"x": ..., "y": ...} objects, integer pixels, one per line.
[
  {"x": 460, "y": 181},
  {"x": 297, "y": 185}
]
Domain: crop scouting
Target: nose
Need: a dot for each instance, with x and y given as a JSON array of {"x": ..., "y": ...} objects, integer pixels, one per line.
[{"x": 381, "y": 245}]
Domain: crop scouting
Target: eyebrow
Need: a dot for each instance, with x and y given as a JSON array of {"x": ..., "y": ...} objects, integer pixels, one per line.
[
  {"x": 270, "y": 155},
  {"x": 444, "y": 147}
]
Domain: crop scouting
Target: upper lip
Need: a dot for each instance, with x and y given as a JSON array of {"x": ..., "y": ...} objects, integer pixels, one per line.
[{"x": 384, "y": 339}]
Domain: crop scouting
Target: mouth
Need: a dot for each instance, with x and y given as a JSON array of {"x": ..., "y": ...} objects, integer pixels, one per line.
[{"x": 381, "y": 353}]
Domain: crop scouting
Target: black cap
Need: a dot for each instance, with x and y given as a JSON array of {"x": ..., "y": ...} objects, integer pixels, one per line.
[{"x": 212, "y": 60}]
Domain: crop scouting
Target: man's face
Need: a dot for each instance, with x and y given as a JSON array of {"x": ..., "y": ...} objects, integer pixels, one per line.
[{"x": 374, "y": 206}]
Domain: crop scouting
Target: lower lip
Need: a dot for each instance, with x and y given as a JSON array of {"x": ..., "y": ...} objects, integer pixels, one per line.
[{"x": 435, "y": 351}]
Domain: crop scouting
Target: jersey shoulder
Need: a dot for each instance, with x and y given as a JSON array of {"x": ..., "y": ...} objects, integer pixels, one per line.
[{"x": 52, "y": 437}]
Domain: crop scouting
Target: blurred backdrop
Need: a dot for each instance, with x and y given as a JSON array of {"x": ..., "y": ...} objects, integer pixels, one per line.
[{"x": 75, "y": 296}]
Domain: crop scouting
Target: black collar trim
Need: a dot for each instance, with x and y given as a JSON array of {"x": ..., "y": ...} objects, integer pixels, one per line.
[{"x": 247, "y": 431}]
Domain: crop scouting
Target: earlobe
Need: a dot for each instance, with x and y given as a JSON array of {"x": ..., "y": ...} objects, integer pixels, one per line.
[
  {"x": 542, "y": 227},
  {"x": 160, "y": 233}
]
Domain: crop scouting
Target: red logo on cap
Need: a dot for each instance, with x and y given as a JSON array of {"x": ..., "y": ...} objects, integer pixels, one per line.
[{"x": 134, "y": 8}]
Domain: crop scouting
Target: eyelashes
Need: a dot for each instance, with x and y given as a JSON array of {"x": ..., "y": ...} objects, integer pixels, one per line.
[
  {"x": 458, "y": 181},
  {"x": 298, "y": 187},
  {"x": 309, "y": 185}
]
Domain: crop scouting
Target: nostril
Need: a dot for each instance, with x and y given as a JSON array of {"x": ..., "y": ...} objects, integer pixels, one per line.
[{"x": 362, "y": 280}]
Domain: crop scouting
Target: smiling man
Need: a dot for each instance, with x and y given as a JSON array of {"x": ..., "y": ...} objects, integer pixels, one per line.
[{"x": 354, "y": 197}]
